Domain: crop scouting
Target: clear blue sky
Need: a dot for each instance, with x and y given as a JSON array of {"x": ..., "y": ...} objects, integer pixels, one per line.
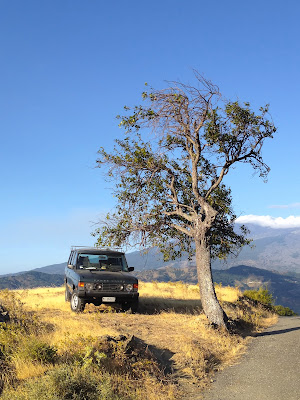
[{"x": 67, "y": 69}]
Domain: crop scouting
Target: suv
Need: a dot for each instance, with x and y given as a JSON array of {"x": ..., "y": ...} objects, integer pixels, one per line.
[{"x": 99, "y": 276}]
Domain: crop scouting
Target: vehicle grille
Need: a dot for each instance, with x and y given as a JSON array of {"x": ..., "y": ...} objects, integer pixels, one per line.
[{"x": 109, "y": 287}]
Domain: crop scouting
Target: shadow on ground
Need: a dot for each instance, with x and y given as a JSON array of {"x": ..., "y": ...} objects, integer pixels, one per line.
[{"x": 279, "y": 332}]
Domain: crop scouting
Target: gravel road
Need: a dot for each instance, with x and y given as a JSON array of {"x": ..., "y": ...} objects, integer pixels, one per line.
[{"x": 269, "y": 371}]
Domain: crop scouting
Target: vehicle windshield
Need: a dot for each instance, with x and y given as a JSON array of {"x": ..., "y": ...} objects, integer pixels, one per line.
[{"x": 102, "y": 262}]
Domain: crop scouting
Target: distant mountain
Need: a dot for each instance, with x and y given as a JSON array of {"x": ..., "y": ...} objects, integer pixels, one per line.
[
  {"x": 285, "y": 288},
  {"x": 273, "y": 249},
  {"x": 53, "y": 268},
  {"x": 30, "y": 279}
]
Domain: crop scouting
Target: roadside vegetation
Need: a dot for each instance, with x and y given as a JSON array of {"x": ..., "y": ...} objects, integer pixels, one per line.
[
  {"x": 164, "y": 351},
  {"x": 263, "y": 296}
]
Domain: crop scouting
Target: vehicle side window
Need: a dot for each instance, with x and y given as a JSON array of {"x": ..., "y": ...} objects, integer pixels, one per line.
[
  {"x": 70, "y": 258},
  {"x": 74, "y": 258},
  {"x": 125, "y": 265}
]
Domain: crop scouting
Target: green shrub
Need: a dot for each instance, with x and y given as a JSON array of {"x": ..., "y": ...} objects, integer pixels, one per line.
[
  {"x": 261, "y": 295},
  {"x": 10, "y": 337},
  {"x": 36, "y": 350},
  {"x": 284, "y": 311},
  {"x": 68, "y": 382}
]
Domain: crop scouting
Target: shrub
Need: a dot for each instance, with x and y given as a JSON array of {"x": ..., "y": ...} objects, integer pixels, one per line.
[
  {"x": 265, "y": 297},
  {"x": 261, "y": 295},
  {"x": 284, "y": 311},
  {"x": 10, "y": 337},
  {"x": 67, "y": 382},
  {"x": 36, "y": 350}
]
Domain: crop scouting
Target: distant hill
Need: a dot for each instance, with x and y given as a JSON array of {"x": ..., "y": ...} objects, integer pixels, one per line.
[
  {"x": 30, "y": 279},
  {"x": 273, "y": 249},
  {"x": 53, "y": 268}
]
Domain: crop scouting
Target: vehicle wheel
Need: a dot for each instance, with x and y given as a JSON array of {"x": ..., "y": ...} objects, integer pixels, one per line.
[
  {"x": 67, "y": 294},
  {"x": 134, "y": 306},
  {"x": 77, "y": 304},
  {"x": 125, "y": 306}
]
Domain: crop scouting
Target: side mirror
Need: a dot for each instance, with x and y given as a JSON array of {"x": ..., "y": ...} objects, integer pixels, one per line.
[
  {"x": 70, "y": 266},
  {"x": 130, "y": 269}
]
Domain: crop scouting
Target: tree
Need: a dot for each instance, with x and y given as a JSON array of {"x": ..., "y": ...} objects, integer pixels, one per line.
[{"x": 170, "y": 190}]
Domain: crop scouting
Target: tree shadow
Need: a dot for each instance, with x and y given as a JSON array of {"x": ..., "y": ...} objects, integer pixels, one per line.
[
  {"x": 278, "y": 332},
  {"x": 155, "y": 305}
]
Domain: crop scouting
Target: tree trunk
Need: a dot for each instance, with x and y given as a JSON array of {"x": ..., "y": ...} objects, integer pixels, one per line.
[{"x": 210, "y": 303}]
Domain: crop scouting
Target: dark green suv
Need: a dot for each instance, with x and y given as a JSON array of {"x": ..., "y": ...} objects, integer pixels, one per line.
[{"x": 99, "y": 276}]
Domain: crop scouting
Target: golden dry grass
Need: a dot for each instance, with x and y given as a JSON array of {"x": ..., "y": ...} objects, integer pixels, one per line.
[{"x": 170, "y": 320}]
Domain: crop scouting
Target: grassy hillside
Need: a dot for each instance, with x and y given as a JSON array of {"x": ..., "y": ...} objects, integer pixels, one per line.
[{"x": 166, "y": 351}]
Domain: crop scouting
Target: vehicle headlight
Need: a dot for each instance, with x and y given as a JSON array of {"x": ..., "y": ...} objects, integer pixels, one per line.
[
  {"x": 89, "y": 286},
  {"x": 129, "y": 287}
]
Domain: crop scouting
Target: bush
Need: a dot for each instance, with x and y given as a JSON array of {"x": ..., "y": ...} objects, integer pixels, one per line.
[
  {"x": 36, "y": 350},
  {"x": 67, "y": 382},
  {"x": 265, "y": 297},
  {"x": 262, "y": 295},
  {"x": 284, "y": 311}
]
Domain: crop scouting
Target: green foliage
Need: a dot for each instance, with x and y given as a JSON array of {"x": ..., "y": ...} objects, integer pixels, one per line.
[
  {"x": 169, "y": 187},
  {"x": 67, "y": 382},
  {"x": 261, "y": 295},
  {"x": 37, "y": 350},
  {"x": 284, "y": 311}
]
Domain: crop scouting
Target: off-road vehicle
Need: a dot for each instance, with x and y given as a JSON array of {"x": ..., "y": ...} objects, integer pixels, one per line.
[{"x": 99, "y": 276}]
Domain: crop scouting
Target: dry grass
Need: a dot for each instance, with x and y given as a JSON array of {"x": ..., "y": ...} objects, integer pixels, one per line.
[
  {"x": 170, "y": 320},
  {"x": 26, "y": 369}
]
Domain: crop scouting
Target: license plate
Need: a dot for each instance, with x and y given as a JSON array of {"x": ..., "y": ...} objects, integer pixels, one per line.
[{"x": 108, "y": 299}]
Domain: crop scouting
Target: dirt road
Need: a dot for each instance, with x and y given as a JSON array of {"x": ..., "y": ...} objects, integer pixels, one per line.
[{"x": 269, "y": 371}]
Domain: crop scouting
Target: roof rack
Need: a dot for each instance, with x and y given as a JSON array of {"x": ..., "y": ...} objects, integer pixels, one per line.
[{"x": 96, "y": 248}]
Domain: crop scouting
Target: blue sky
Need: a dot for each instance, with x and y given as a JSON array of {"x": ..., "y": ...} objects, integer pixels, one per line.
[{"x": 68, "y": 68}]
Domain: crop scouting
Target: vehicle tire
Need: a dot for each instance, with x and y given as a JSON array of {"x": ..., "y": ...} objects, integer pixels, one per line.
[
  {"x": 125, "y": 306},
  {"x": 77, "y": 304},
  {"x": 67, "y": 294},
  {"x": 134, "y": 306}
]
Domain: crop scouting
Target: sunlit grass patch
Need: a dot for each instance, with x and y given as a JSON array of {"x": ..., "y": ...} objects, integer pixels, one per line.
[
  {"x": 227, "y": 293},
  {"x": 25, "y": 369}
]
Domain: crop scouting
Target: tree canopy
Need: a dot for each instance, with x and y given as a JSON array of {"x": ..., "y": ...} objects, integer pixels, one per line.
[{"x": 169, "y": 170}]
